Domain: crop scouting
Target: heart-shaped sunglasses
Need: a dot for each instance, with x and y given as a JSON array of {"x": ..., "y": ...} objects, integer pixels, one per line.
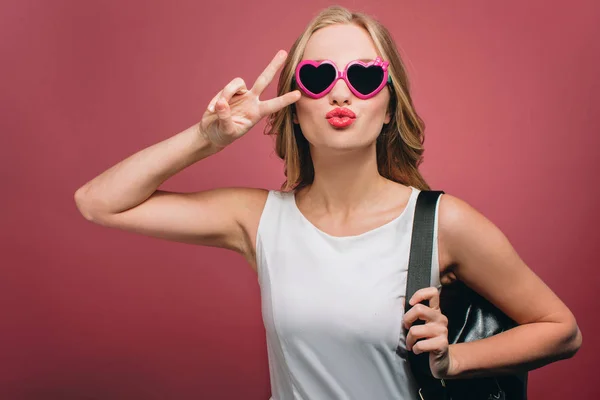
[{"x": 365, "y": 80}]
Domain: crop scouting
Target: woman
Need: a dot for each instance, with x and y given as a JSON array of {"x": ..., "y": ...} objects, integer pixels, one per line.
[{"x": 331, "y": 248}]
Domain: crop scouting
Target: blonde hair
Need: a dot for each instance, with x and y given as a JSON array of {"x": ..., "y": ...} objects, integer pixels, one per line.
[{"x": 400, "y": 143}]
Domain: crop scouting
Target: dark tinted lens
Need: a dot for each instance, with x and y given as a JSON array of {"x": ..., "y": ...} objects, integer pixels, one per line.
[
  {"x": 317, "y": 79},
  {"x": 365, "y": 80}
]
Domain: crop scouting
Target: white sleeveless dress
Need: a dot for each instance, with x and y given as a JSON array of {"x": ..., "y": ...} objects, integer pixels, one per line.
[{"x": 333, "y": 306}]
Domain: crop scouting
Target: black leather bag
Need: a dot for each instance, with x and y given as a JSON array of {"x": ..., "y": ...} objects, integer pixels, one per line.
[{"x": 470, "y": 317}]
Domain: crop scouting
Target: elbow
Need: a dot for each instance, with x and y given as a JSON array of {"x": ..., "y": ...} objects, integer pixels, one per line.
[
  {"x": 575, "y": 343},
  {"x": 572, "y": 341},
  {"x": 82, "y": 204},
  {"x": 90, "y": 208}
]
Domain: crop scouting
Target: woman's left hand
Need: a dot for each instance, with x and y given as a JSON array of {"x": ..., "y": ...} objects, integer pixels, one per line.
[{"x": 434, "y": 332}]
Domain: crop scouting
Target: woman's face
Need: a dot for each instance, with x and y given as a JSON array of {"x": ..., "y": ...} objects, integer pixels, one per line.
[{"x": 341, "y": 44}]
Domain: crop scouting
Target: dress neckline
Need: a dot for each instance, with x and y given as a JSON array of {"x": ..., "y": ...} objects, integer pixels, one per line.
[{"x": 360, "y": 235}]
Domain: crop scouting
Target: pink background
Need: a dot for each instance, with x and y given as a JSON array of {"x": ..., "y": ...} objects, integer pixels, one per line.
[{"x": 508, "y": 90}]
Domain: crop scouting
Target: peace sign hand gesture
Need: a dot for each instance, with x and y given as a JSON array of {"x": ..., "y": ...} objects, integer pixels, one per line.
[{"x": 235, "y": 109}]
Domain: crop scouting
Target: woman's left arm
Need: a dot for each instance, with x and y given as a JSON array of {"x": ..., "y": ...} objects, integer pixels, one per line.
[{"x": 483, "y": 258}]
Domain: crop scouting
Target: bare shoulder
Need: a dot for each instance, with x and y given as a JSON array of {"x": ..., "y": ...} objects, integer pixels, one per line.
[
  {"x": 452, "y": 212},
  {"x": 456, "y": 217},
  {"x": 460, "y": 225}
]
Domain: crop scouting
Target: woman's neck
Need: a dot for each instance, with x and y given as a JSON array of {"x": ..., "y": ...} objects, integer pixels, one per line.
[{"x": 345, "y": 181}]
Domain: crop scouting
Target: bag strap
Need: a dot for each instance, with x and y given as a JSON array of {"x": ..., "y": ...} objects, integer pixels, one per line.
[
  {"x": 419, "y": 276},
  {"x": 421, "y": 247}
]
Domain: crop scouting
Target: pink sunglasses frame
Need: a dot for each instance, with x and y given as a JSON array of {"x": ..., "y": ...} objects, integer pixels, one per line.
[{"x": 344, "y": 75}]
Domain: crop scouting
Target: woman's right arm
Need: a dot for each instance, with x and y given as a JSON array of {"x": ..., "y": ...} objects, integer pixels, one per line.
[{"x": 126, "y": 196}]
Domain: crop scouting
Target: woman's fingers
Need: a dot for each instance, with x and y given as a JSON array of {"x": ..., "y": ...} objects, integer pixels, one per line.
[
  {"x": 211, "y": 105},
  {"x": 236, "y": 86},
  {"x": 429, "y": 293},
  {"x": 246, "y": 110},
  {"x": 267, "y": 76},
  {"x": 437, "y": 344},
  {"x": 224, "y": 114},
  {"x": 427, "y": 331},
  {"x": 270, "y": 106},
  {"x": 422, "y": 312}
]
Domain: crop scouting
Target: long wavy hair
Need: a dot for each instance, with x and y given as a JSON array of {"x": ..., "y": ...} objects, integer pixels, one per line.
[{"x": 399, "y": 145}]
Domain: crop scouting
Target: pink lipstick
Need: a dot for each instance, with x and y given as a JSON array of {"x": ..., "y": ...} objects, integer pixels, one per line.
[{"x": 340, "y": 117}]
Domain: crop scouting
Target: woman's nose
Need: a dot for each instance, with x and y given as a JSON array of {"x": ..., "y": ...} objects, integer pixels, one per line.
[{"x": 340, "y": 93}]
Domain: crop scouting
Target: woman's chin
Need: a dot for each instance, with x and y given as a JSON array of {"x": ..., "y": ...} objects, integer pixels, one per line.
[{"x": 343, "y": 142}]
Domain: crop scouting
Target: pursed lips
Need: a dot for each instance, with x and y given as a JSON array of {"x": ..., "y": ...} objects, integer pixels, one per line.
[{"x": 340, "y": 113}]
